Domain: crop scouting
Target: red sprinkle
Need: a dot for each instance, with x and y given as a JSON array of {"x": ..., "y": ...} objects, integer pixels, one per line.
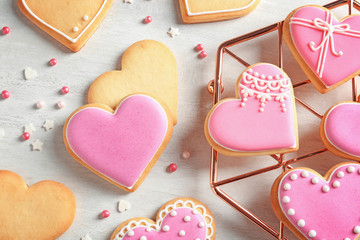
[
  {"x": 203, "y": 54},
  {"x": 53, "y": 62},
  {"x": 5, "y": 94},
  {"x": 148, "y": 19},
  {"x": 172, "y": 167},
  {"x": 105, "y": 214},
  {"x": 199, "y": 47},
  {"x": 65, "y": 90},
  {"x": 5, "y": 30},
  {"x": 26, "y": 136}
]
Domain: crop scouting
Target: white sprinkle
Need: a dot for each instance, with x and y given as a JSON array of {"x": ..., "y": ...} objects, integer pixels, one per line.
[
  {"x": 286, "y": 199},
  {"x": 75, "y": 29},
  {"x": 182, "y": 233},
  {"x": 143, "y": 238},
  {"x": 325, "y": 188},
  {"x": 340, "y": 174},
  {"x": 301, "y": 223},
  {"x": 123, "y": 206},
  {"x": 357, "y": 229},
  {"x": 85, "y": 17},
  {"x": 350, "y": 169},
  {"x": 166, "y": 228},
  {"x": 86, "y": 237},
  {"x": 173, "y": 32},
  {"x": 347, "y": 239},
  {"x": 336, "y": 184},
  {"x": 29, "y": 73},
  {"x": 130, "y": 233},
  {"x": 201, "y": 224},
  {"x": 187, "y": 219},
  {"x": 148, "y": 229},
  {"x": 287, "y": 186},
  {"x": 173, "y": 213},
  {"x": 293, "y": 176},
  {"x": 315, "y": 180},
  {"x": 312, "y": 233},
  {"x": 304, "y": 174},
  {"x": 291, "y": 212}
]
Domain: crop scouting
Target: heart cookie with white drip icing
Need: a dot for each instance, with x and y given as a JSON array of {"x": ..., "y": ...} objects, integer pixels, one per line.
[
  {"x": 326, "y": 48},
  {"x": 70, "y": 22}
]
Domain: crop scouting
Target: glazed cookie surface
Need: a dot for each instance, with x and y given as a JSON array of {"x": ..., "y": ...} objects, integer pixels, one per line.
[
  {"x": 261, "y": 120},
  {"x": 27, "y": 212},
  {"x": 181, "y": 218},
  {"x": 325, "y": 47},
  {"x": 70, "y": 22},
  {"x": 195, "y": 11}
]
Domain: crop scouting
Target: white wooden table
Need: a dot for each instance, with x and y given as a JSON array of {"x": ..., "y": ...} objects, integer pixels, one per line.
[{"x": 27, "y": 46}]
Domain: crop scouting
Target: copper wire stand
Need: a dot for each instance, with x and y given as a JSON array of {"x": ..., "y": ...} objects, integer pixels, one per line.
[{"x": 215, "y": 87}]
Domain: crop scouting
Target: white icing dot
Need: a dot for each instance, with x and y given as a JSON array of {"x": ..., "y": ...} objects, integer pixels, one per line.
[
  {"x": 166, "y": 228},
  {"x": 261, "y": 110},
  {"x": 350, "y": 169},
  {"x": 315, "y": 180},
  {"x": 341, "y": 53},
  {"x": 143, "y": 238},
  {"x": 325, "y": 188},
  {"x": 277, "y": 77},
  {"x": 269, "y": 77},
  {"x": 283, "y": 105},
  {"x": 267, "y": 90},
  {"x": 262, "y": 104},
  {"x": 256, "y": 74},
  {"x": 291, "y": 212},
  {"x": 284, "y": 110},
  {"x": 130, "y": 233},
  {"x": 301, "y": 223},
  {"x": 287, "y": 186},
  {"x": 187, "y": 219},
  {"x": 336, "y": 184},
  {"x": 242, "y": 104},
  {"x": 197, "y": 239},
  {"x": 262, "y": 76},
  {"x": 244, "y": 99},
  {"x": 201, "y": 224},
  {"x": 346, "y": 238},
  {"x": 182, "y": 233},
  {"x": 340, "y": 174},
  {"x": 293, "y": 176},
  {"x": 357, "y": 229},
  {"x": 148, "y": 229},
  {"x": 312, "y": 233},
  {"x": 304, "y": 174},
  {"x": 75, "y": 29},
  {"x": 252, "y": 85},
  {"x": 85, "y": 17},
  {"x": 194, "y": 212},
  {"x": 311, "y": 44},
  {"x": 173, "y": 213},
  {"x": 286, "y": 199}
]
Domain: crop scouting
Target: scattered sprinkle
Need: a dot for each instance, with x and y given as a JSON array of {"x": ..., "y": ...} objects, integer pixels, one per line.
[
  {"x": 173, "y": 32},
  {"x": 53, "y": 62},
  {"x": 40, "y": 104},
  {"x": 5, "y": 94},
  {"x": 26, "y": 136},
  {"x": 105, "y": 214},
  {"x": 124, "y": 206},
  {"x": 48, "y": 125},
  {"x": 61, "y": 104},
  {"x": 5, "y": 30},
  {"x": 29, "y": 128},
  {"x": 65, "y": 90},
  {"x": 29, "y": 73},
  {"x": 2, "y": 133},
  {"x": 86, "y": 237},
  {"x": 37, "y": 145},
  {"x": 148, "y": 19},
  {"x": 172, "y": 167}
]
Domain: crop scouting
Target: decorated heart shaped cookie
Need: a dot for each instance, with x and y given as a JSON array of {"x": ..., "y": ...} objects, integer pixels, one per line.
[
  {"x": 195, "y": 11},
  {"x": 70, "y": 22},
  {"x": 43, "y": 211},
  {"x": 178, "y": 219},
  {"x": 122, "y": 145},
  {"x": 326, "y": 48},
  {"x": 149, "y": 67},
  {"x": 262, "y": 120},
  {"x": 316, "y": 207},
  {"x": 340, "y": 130}
]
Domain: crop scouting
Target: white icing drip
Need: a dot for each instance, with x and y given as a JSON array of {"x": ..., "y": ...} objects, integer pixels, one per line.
[
  {"x": 262, "y": 84},
  {"x": 73, "y": 40},
  {"x": 189, "y": 13}
]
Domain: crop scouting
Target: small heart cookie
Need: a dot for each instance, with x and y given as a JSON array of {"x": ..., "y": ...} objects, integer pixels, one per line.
[
  {"x": 181, "y": 218},
  {"x": 340, "y": 130},
  {"x": 149, "y": 67},
  {"x": 261, "y": 121},
  {"x": 326, "y": 49},
  {"x": 123, "y": 145},
  {"x": 316, "y": 207},
  {"x": 70, "y": 22},
  {"x": 43, "y": 211},
  {"x": 196, "y": 11}
]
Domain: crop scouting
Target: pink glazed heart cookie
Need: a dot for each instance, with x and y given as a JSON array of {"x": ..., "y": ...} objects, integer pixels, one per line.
[
  {"x": 340, "y": 130},
  {"x": 179, "y": 219},
  {"x": 261, "y": 120},
  {"x": 326, "y": 49},
  {"x": 316, "y": 207},
  {"x": 122, "y": 145}
]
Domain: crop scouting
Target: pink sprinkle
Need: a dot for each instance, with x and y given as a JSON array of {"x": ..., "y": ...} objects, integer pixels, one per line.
[
  {"x": 26, "y": 136},
  {"x": 40, "y": 104},
  {"x": 53, "y": 62},
  {"x": 5, "y": 30},
  {"x": 203, "y": 54},
  {"x": 199, "y": 47},
  {"x": 61, "y": 104},
  {"x": 65, "y": 90},
  {"x": 172, "y": 167},
  {"x": 105, "y": 214},
  {"x": 148, "y": 19},
  {"x": 5, "y": 94},
  {"x": 186, "y": 154}
]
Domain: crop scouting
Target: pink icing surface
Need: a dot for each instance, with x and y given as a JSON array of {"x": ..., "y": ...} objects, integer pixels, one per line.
[
  {"x": 342, "y": 128},
  {"x": 119, "y": 145},
  {"x": 176, "y": 224},
  {"x": 332, "y": 215},
  {"x": 336, "y": 68},
  {"x": 246, "y": 128}
]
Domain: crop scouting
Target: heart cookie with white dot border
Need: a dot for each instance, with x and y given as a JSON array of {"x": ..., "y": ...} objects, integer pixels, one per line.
[
  {"x": 179, "y": 219},
  {"x": 315, "y": 207},
  {"x": 70, "y": 22},
  {"x": 196, "y": 11}
]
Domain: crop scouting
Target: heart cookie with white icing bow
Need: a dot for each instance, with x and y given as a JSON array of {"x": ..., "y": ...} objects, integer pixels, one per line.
[
  {"x": 70, "y": 22},
  {"x": 181, "y": 218},
  {"x": 261, "y": 120},
  {"x": 196, "y": 11},
  {"x": 340, "y": 130},
  {"x": 326, "y": 49},
  {"x": 316, "y": 207}
]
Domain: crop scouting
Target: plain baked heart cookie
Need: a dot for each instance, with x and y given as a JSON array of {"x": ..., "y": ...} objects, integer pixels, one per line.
[
  {"x": 326, "y": 49},
  {"x": 149, "y": 67},
  {"x": 195, "y": 11},
  {"x": 261, "y": 120},
  {"x": 340, "y": 130},
  {"x": 122, "y": 145},
  {"x": 70, "y": 22},
  {"x": 179, "y": 219},
  {"x": 43, "y": 211},
  {"x": 316, "y": 207}
]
